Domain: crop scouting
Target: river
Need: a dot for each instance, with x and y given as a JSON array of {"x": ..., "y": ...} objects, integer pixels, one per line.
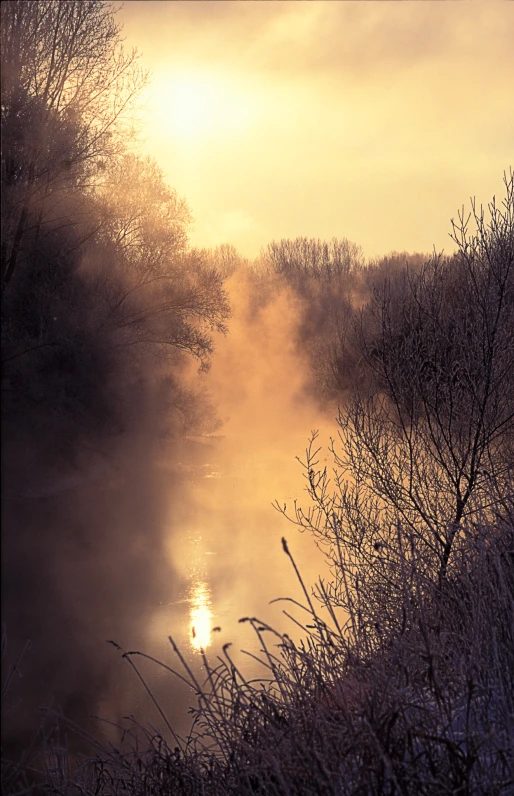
[{"x": 129, "y": 549}]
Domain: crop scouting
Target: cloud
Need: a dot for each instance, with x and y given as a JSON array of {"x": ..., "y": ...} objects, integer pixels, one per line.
[
  {"x": 362, "y": 40},
  {"x": 367, "y": 118}
]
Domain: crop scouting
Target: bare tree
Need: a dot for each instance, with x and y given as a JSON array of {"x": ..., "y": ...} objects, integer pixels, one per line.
[
  {"x": 68, "y": 91},
  {"x": 311, "y": 257},
  {"x": 153, "y": 291},
  {"x": 425, "y": 449},
  {"x": 141, "y": 216},
  {"x": 226, "y": 259}
]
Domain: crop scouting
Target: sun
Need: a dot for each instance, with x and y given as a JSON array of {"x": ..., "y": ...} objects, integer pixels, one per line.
[{"x": 195, "y": 105}]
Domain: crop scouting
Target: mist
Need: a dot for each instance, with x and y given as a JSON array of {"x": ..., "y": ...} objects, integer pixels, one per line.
[
  {"x": 183, "y": 314},
  {"x": 161, "y": 523},
  {"x": 111, "y": 546}
]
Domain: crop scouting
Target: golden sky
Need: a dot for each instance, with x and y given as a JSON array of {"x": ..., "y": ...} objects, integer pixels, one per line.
[{"x": 373, "y": 121}]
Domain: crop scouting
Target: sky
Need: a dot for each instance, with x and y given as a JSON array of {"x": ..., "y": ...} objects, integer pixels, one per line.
[{"x": 374, "y": 121}]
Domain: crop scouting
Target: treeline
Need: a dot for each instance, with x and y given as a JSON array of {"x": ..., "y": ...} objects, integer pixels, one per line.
[
  {"x": 103, "y": 299},
  {"x": 332, "y": 281}
]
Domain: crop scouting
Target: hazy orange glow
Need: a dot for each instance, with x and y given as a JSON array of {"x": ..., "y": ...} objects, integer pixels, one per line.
[
  {"x": 372, "y": 121},
  {"x": 192, "y": 106},
  {"x": 225, "y": 536}
]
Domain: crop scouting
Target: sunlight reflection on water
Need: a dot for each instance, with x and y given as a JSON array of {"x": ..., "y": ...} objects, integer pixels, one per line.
[{"x": 200, "y": 615}]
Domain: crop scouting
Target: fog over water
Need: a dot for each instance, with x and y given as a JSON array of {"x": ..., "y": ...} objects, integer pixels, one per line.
[
  {"x": 257, "y": 299},
  {"x": 222, "y": 534},
  {"x": 133, "y": 546}
]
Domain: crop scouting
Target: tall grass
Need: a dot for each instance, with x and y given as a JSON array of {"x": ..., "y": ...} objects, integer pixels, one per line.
[{"x": 419, "y": 702}]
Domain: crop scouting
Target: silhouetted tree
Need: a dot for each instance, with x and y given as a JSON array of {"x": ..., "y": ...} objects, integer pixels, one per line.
[
  {"x": 68, "y": 92},
  {"x": 426, "y": 445},
  {"x": 108, "y": 284},
  {"x": 226, "y": 259},
  {"x": 311, "y": 257},
  {"x": 156, "y": 292}
]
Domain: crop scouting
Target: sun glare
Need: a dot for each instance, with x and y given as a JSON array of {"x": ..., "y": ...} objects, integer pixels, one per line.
[{"x": 192, "y": 106}]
